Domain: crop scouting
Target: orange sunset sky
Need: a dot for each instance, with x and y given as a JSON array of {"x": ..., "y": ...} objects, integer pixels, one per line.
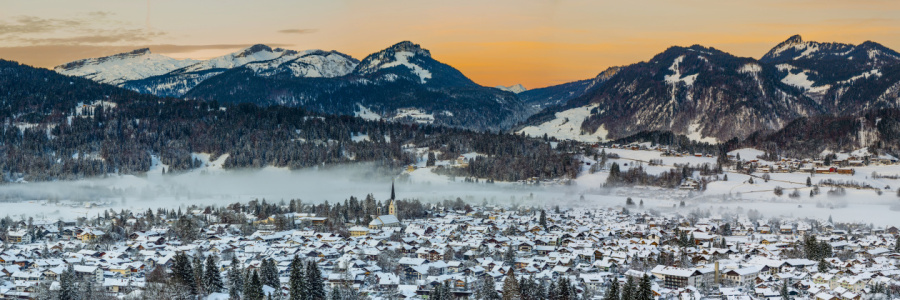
[{"x": 535, "y": 43}]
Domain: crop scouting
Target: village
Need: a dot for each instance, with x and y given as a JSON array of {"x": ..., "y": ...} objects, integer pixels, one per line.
[{"x": 463, "y": 251}]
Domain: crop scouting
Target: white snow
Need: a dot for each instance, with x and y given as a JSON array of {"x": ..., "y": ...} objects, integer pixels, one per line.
[
  {"x": 518, "y": 88},
  {"x": 123, "y": 67},
  {"x": 870, "y": 73},
  {"x": 695, "y": 135},
  {"x": 748, "y": 154},
  {"x": 800, "y": 80},
  {"x": 366, "y": 113},
  {"x": 750, "y": 68},
  {"x": 309, "y": 63},
  {"x": 236, "y": 59},
  {"x": 359, "y": 137},
  {"x": 415, "y": 114},
  {"x": 675, "y": 78},
  {"x": 402, "y": 59},
  {"x": 567, "y": 125}
]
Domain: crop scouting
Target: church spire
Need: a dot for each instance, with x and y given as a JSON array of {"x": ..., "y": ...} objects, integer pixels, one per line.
[{"x": 392, "y": 206}]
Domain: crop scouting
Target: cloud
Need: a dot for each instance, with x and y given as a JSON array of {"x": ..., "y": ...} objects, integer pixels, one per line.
[
  {"x": 32, "y": 24},
  {"x": 297, "y": 31},
  {"x": 51, "y": 55},
  {"x": 95, "y": 27},
  {"x": 126, "y": 35}
]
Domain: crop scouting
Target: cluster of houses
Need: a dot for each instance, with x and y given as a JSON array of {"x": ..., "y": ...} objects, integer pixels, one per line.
[
  {"x": 839, "y": 164},
  {"x": 395, "y": 259}
]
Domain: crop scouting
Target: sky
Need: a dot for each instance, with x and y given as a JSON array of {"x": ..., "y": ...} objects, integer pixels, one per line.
[{"x": 497, "y": 42}]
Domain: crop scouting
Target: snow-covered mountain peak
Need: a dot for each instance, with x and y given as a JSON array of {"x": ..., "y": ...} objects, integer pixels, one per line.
[
  {"x": 795, "y": 48},
  {"x": 309, "y": 63},
  {"x": 253, "y": 53},
  {"x": 118, "y": 68},
  {"x": 403, "y": 54},
  {"x": 515, "y": 89},
  {"x": 407, "y": 46}
]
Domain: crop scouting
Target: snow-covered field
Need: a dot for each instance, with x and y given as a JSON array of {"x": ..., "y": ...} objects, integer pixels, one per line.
[
  {"x": 567, "y": 125},
  {"x": 211, "y": 184}
]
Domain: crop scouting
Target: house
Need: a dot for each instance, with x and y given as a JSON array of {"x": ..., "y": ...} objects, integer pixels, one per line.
[
  {"x": 357, "y": 231},
  {"x": 676, "y": 278},
  {"x": 89, "y": 235},
  {"x": 18, "y": 236}
]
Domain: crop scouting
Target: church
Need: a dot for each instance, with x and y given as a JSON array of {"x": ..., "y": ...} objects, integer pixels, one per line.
[{"x": 390, "y": 219}]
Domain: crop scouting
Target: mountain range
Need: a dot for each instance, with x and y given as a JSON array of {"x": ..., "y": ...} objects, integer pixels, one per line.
[
  {"x": 701, "y": 92},
  {"x": 713, "y": 96}
]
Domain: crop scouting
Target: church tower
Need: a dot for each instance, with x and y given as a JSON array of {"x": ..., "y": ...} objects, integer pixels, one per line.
[{"x": 392, "y": 207}]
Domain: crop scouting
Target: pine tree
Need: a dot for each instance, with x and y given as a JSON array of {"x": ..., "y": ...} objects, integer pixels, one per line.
[
  {"x": 823, "y": 266},
  {"x": 628, "y": 290},
  {"x": 235, "y": 280},
  {"x": 254, "y": 289},
  {"x": 212, "y": 278},
  {"x": 614, "y": 174},
  {"x": 298, "y": 286},
  {"x": 509, "y": 258},
  {"x": 67, "y": 284},
  {"x": 87, "y": 292},
  {"x": 184, "y": 273},
  {"x": 511, "y": 286},
  {"x": 543, "y": 219},
  {"x": 314, "y": 282},
  {"x": 335, "y": 294},
  {"x": 785, "y": 295},
  {"x": 270, "y": 274},
  {"x": 488, "y": 289},
  {"x": 198, "y": 274},
  {"x": 430, "y": 161},
  {"x": 645, "y": 289},
  {"x": 553, "y": 291},
  {"x": 612, "y": 292},
  {"x": 897, "y": 246},
  {"x": 562, "y": 289}
]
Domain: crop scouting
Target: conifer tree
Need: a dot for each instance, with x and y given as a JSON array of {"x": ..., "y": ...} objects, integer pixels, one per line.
[
  {"x": 270, "y": 274},
  {"x": 254, "y": 289},
  {"x": 823, "y": 266},
  {"x": 628, "y": 290},
  {"x": 184, "y": 273},
  {"x": 212, "y": 278},
  {"x": 645, "y": 289},
  {"x": 543, "y": 219},
  {"x": 612, "y": 292},
  {"x": 335, "y": 294},
  {"x": 509, "y": 258},
  {"x": 488, "y": 290},
  {"x": 198, "y": 274},
  {"x": 552, "y": 291},
  {"x": 235, "y": 280},
  {"x": 314, "y": 282},
  {"x": 87, "y": 292},
  {"x": 785, "y": 295},
  {"x": 511, "y": 286},
  {"x": 298, "y": 287},
  {"x": 67, "y": 284},
  {"x": 562, "y": 289}
]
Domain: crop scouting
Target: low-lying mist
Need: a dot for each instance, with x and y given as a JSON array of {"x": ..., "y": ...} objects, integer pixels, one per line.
[{"x": 89, "y": 197}]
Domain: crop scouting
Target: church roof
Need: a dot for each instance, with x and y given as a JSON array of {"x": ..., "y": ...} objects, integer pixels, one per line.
[{"x": 385, "y": 220}]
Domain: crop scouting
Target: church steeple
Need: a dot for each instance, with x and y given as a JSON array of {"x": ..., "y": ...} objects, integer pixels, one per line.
[
  {"x": 392, "y": 191},
  {"x": 392, "y": 206}
]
